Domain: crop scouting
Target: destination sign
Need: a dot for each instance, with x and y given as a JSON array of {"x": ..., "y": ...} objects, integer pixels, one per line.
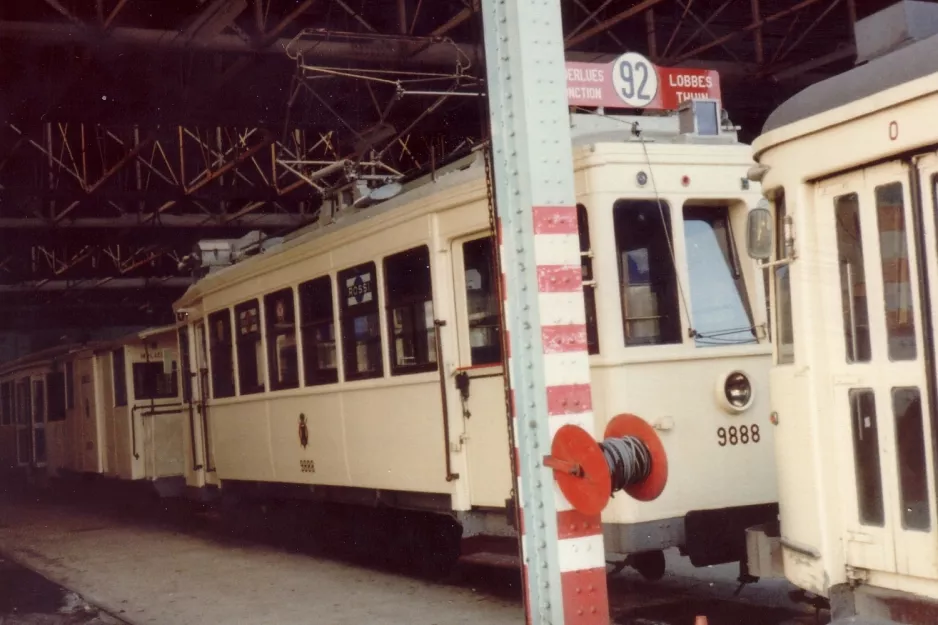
[{"x": 632, "y": 81}]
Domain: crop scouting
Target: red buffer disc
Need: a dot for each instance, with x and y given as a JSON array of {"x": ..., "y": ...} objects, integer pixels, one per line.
[
  {"x": 589, "y": 492},
  {"x": 630, "y": 425}
]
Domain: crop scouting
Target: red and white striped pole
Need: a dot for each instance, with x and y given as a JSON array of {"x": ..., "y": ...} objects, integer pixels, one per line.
[{"x": 549, "y": 376}]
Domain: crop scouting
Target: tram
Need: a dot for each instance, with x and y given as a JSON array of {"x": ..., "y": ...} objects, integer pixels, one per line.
[
  {"x": 850, "y": 169},
  {"x": 359, "y": 361},
  {"x": 109, "y": 408}
]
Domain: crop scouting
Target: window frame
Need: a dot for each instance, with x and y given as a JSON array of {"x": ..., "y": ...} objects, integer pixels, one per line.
[
  {"x": 55, "y": 412},
  {"x": 313, "y": 375},
  {"x": 215, "y": 354},
  {"x": 140, "y": 393},
  {"x": 271, "y": 334},
  {"x": 588, "y": 279},
  {"x": 250, "y": 340},
  {"x": 119, "y": 376},
  {"x": 676, "y": 333},
  {"x": 785, "y": 351},
  {"x": 347, "y": 319},
  {"x": 713, "y": 212},
  {"x": 6, "y": 403},
  {"x": 416, "y": 305}
]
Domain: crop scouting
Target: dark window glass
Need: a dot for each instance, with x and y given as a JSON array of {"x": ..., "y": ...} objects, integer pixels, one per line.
[
  {"x": 866, "y": 457},
  {"x": 6, "y": 403},
  {"x": 282, "y": 361},
  {"x": 250, "y": 352},
  {"x": 39, "y": 416},
  {"x": 219, "y": 329},
  {"x": 69, "y": 385},
  {"x": 589, "y": 286},
  {"x": 361, "y": 330},
  {"x": 897, "y": 280},
  {"x": 910, "y": 439},
  {"x": 785, "y": 334},
  {"x": 186, "y": 360},
  {"x": 718, "y": 299},
  {"x": 317, "y": 320},
  {"x": 852, "y": 278},
  {"x": 120, "y": 377},
  {"x": 410, "y": 311},
  {"x": 55, "y": 382},
  {"x": 152, "y": 382},
  {"x": 648, "y": 282},
  {"x": 23, "y": 402},
  {"x": 485, "y": 336}
]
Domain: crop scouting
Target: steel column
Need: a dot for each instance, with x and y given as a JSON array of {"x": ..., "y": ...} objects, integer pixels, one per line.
[{"x": 549, "y": 376}]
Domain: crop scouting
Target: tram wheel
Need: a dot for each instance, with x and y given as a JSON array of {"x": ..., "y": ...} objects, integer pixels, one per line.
[{"x": 649, "y": 564}]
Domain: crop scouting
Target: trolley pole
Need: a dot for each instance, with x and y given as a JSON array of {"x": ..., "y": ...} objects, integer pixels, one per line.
[{"x": 549, "y": 376}]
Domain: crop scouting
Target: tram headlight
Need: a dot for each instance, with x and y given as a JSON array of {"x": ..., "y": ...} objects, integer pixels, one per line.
[{"x": 735, "y": 391}]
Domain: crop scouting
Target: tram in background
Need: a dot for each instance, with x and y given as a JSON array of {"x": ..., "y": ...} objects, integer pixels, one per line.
[
  {"x": 851, "y": 244},
  {"x": 359, "y": 361}
]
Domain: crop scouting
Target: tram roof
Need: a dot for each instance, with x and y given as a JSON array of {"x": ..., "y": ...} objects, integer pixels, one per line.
[{"x": 901, "y": 66}]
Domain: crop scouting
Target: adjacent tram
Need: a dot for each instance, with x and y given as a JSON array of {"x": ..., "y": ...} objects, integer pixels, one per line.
[
  {"x": 851, "y": 246},
  {"x": 358, "y": 361}
]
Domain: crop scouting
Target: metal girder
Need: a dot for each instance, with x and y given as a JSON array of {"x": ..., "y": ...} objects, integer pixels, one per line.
[
  {"x": 265, "y": 221},
  {"x": 318, "y": 44},
  {"x": 564, "y": 572},
  {"x": 104, "y": 283}
]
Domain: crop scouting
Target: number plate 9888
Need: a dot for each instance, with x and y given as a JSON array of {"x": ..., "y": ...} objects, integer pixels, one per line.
[{"x": 742, "y": 435}]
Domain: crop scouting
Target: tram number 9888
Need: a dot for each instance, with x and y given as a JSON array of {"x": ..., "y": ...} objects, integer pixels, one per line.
[{"x": 742, "y": 435}]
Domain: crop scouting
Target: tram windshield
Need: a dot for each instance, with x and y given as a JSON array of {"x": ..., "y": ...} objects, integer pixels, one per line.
[{"x": 718, "y": 301}]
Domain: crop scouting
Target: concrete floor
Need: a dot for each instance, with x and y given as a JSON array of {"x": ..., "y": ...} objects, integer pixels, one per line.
[{"x": 148, "y": 570}]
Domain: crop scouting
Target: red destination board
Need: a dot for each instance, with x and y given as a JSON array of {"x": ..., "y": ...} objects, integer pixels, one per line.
[{"x": 632, "y": 81}]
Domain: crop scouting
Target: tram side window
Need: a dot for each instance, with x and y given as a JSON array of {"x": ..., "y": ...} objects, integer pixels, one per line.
[
  {"x": 866, "y": 457},
  {"x": 185, "y": 357},
  {"x": 913, "y": 475},
  {"x": 785, "y": 334},
  {"x": 250, "y": 351},
  {"x": 485, "y": 328},
  {"x": 897, "y": 281},
  {"x": 69, "y": 385},
  {"x": 648, "y": 282},
  {"x": 23, "y": 402},
  {"x": 55, "y": 383},
  {"x": 152, "y": 382},
  {"x": 589, "y": 288},
  {"x": 39, "y": 416},
  {"x": 282, "y": 359},
  {"x": 852, "y": 278},
  {"x": 221, "y": 354},
  {"x": 410, "y": 311},
  {"x": 718, "y": 298},
  {"x": 120, "y": 377},
  {"x": 318, "y": 323},
  {"x": 361, "y": 328},
  {"x": 6, "y": 403}
]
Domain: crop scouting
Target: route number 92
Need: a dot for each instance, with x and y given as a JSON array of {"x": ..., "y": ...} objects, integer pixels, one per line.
[
  {"x": 635, "y": 79},
  {"x": 742, "y": 435}
]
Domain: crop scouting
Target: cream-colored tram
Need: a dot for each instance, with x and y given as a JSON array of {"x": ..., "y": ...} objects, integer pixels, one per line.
[
  {"x": 108, "y": 408},
  {"x": 359, "y": 360},
  {"x": 851, "y": 168}
]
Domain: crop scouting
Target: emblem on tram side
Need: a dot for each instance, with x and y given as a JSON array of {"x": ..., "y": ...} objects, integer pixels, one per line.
[{"x": 303, "y": 431}]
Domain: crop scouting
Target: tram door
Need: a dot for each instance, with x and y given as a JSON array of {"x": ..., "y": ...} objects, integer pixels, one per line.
[
  {"x": 39, "y": 421},
  {"x": 200, "y": 394},
  {"x": 873, "y": 322},
  {"x": 479, "y": 383}
]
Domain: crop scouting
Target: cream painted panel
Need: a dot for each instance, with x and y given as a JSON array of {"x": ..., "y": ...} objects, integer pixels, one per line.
[
  {"x": 702, "y": 474},
  {"x": 57, "y": 448},
  {"x": 326, "y": 443},
  {"x": 241, "y": 440},
  {"x": 395, "y": 436}
]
